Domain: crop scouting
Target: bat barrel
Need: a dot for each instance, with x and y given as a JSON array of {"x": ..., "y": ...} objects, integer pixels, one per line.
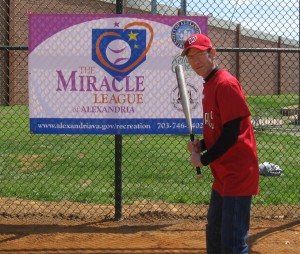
[
  {"x": 185, "y": 102},
  {"x": 184, "y": 98}
]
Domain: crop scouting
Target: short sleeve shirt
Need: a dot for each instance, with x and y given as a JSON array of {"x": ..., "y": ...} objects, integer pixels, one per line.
[{"x": 236, "y": 172}]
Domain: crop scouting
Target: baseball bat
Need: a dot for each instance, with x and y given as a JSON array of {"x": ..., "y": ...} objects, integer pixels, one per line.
[{"x": 185, "y": 102}]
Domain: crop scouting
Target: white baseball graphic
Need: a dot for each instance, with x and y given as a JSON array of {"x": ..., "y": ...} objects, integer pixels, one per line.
[{"x": 118, "y": 52}]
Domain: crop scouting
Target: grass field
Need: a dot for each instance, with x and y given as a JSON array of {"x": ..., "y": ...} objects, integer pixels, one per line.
[
  {"x": 154, "y": 167},
  {"x": 272, "y": 101}
]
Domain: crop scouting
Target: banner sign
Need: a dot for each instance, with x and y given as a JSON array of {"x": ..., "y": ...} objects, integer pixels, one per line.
[{"x": 110, "y": 74}]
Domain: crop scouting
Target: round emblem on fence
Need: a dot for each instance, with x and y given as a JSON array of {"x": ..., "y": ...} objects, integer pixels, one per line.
[{"x": 182, "y": 30}]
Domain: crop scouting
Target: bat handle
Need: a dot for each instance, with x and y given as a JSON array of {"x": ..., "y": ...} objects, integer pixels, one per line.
[{"x": 198, "y": 169}]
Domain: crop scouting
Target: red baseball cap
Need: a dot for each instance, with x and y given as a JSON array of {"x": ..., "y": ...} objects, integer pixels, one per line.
[{"x": 198, "y": 41}]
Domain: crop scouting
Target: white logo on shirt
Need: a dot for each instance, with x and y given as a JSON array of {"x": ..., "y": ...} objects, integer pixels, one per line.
[{"x": 208, "y": 117}]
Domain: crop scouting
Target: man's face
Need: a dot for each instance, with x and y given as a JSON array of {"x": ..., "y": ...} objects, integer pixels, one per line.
[{"x": 201, "y": 61}]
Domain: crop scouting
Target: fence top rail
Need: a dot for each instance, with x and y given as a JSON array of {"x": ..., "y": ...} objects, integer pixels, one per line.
[
  {"x": 256, "y": 50},
  {"x": 13, "y": 47},
  {"x": 245, "y": 50}
]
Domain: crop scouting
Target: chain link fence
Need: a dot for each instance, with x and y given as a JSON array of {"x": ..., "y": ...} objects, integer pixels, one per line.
[{"x": 82, "y": 176}]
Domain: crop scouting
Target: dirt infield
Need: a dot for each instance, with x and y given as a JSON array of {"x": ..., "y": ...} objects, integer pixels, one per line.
[
  {"x": 145, "y": 232},
  {"x": 135, "y": 236}
]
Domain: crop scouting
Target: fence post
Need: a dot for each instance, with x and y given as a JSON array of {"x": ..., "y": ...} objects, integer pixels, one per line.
[
  {"x": 237, "y": 56},
  {"x": 183, "y": 8},
  {"x": 118, "y": 151},
  {"x": 153, "y": 7},
  {"x": 4, "y": 54},
  {"x": 119, "y": 7},
  {"x": 278, "y": 90},
  {"x": 298, "y": 120},
  {"x": 118, "y": 177}
]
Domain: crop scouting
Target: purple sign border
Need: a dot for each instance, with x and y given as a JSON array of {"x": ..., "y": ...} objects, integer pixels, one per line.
[{"x": 49, "y": 24}]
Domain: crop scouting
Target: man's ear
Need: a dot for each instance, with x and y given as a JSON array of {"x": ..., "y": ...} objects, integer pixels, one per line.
[{"x": 213, "y": 53}]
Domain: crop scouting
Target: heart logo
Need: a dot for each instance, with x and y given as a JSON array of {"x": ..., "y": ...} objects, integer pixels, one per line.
[{"x": 124, "y": 69}]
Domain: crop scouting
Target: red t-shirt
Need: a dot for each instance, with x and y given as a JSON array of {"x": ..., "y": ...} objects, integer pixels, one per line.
[{"x": 236, "y": 172}]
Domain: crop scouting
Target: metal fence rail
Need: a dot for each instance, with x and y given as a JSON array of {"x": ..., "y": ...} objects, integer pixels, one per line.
[{"x": 77, "y": 176}]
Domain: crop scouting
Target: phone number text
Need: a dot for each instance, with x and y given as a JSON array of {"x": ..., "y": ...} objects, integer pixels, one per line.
[{"x": 178, "y": 125}]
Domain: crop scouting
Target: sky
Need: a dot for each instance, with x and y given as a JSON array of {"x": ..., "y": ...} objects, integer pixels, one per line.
[{"x": 277, "y": 17}]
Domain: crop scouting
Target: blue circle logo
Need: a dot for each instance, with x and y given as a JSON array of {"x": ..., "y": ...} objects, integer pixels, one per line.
[{"x": 182, "y": 30}]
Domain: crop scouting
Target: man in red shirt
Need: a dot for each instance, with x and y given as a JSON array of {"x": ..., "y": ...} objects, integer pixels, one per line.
[{"x": 228, "y": 147}]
